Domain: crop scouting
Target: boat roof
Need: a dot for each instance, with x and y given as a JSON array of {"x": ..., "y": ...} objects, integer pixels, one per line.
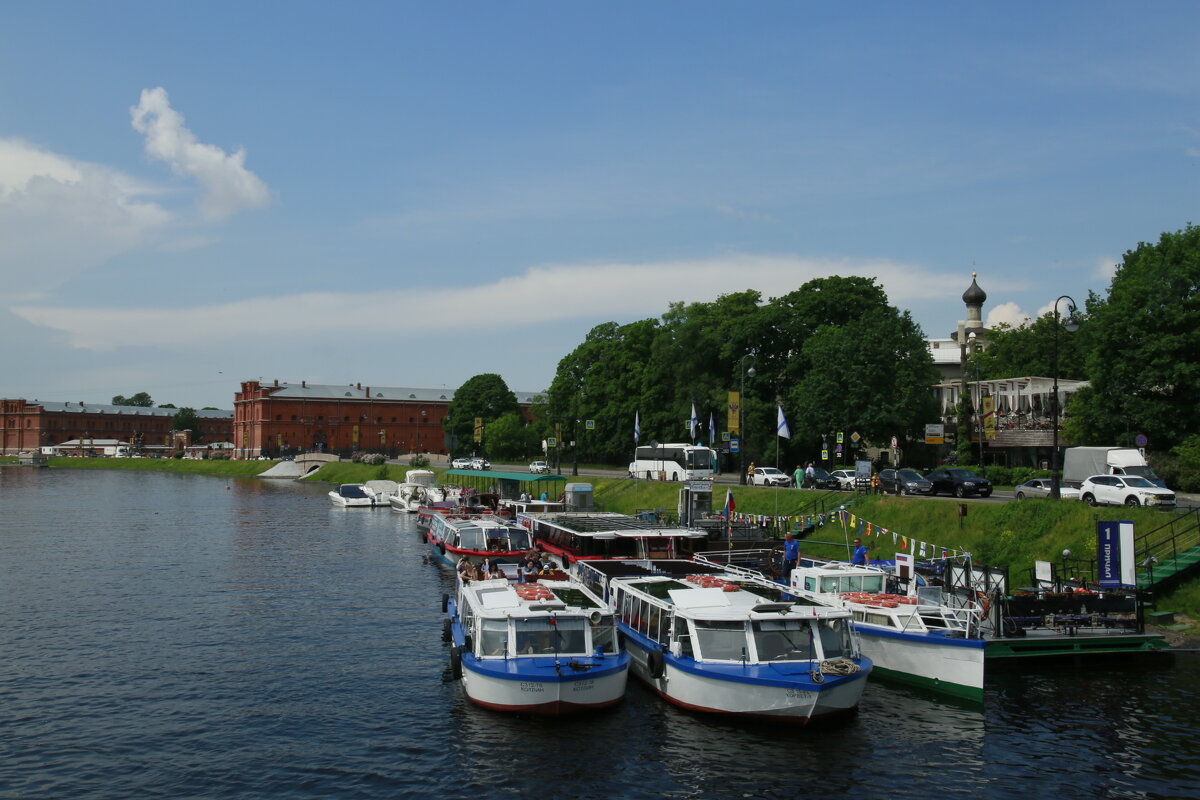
[
  {"x": 479, "y": 521},
  {"x": 499, "y": 598},
  {"x": 610, "y": 525}
]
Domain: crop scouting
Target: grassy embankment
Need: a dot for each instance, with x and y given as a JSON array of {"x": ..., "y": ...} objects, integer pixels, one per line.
[{"x": 200, "y": 466}]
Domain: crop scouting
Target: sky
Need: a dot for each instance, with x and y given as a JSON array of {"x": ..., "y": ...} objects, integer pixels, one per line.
[{"x": 413, "y": 193}]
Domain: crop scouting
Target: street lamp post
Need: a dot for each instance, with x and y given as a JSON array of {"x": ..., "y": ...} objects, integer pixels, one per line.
[
  {"x": 742, "y": 373},
  {"x": 1072, "y": 325},
  {"x": 978, "y": 396}
]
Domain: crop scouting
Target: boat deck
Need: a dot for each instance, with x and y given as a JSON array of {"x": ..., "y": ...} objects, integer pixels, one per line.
[{"x": 1071, "y": 641}]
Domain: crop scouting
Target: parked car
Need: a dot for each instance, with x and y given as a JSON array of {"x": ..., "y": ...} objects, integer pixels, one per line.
[
  {"x": 958, "y": 481},
  {"x": 460, "y": 463},
  {"x": 539, "y": 467},
  {"x": 1040, "y": 487},
  {"x": 844, "y": 477},
  {"x": 769, "y": 476},
  {"x": 904, "y": 481},
  {"x": 480, "y": 463},
  {"x": 1129, "y": 490},
  {"x": 824, "y": 480}
]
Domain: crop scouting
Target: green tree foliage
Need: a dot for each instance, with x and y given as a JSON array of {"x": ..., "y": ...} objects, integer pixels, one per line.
[
  {"x": 486, "y": 396},
  {"x": 833, "y": 352},
  {"x": 512, "y": 438},
  {"x": 186, "y": 419},
  {"x": 1143, "y": 341},
  {"x": 141, "y": 400},
  {"x": 1028, "y": 350}
]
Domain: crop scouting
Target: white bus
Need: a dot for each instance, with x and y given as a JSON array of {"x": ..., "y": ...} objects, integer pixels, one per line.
[{"x": 674, "y": 462}]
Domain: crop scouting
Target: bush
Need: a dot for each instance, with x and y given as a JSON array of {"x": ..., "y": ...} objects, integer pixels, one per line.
[
  {"x": 419, "y": 461},
  {"x": 1184, "y": 468},
  {"x": 370, "y": 459}
]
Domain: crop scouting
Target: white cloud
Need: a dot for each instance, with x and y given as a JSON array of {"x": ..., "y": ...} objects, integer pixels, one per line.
[
  {"x": 1009, "y": 314},
  {"x": 542, "y": 295},
  {"x": 228, "y": 186},
  {"x": 59, "y": 217},
  {"x": 1193, "y": 152},
  {"x": 1106, "y": 268}
]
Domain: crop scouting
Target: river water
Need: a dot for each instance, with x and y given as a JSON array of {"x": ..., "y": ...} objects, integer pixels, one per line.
[{"x": 186, "y": 636}]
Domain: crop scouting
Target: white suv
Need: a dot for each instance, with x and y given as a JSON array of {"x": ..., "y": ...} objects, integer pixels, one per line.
[
  {"x": 1129, "y": 490},
  {"x": 540, "y": 466},
  {"x": 769, "y": 476}
]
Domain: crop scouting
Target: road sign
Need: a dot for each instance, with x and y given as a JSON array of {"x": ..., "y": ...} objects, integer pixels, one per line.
[
  {"x": 551, "y": 441},
  {"x": 895, "y": 442},
  {"x": 1141, "y": 440},
  {"x": 854, "y": 437},
  {"x": 839, "y": 437},
  {"x": 839, "y": 447},
  {"x": 733, "y": 445},
  {"x": 589, "y": 424},
  {"x": 725, "y": 437},
  {"x": 824, "y": 455}
]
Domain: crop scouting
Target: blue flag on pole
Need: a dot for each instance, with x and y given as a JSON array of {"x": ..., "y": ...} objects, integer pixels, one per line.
[{"x": 712, "y": 430}]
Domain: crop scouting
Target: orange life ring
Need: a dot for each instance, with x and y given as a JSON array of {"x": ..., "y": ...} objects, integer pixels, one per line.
[{"x": 909, "y": 601}]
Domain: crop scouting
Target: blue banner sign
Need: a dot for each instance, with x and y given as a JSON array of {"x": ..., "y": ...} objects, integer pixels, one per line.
[{"x": 1114, "y": 553}]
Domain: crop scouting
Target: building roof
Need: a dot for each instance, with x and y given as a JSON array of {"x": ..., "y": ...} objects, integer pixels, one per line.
[
  {"x": 103, "y": 408},
  {"x": 326, "y": 391}
]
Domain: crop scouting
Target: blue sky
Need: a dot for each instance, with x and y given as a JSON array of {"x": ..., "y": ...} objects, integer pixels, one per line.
[{"x": 409, "y": 194}]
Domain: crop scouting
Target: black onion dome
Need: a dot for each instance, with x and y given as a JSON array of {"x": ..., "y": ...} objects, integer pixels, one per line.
[{"x": 974, "y": 296}]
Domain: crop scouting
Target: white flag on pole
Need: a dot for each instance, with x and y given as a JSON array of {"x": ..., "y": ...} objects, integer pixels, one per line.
[
  {"x": 692, "y": 426},
  {"x": 781, "y": 427},
  {"x": 637, "y": 426}
]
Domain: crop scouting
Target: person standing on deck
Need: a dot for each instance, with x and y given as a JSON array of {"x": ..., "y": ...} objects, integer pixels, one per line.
[
  {"x": 860, "y": 557},
  {"x": 791, "y": 556}
]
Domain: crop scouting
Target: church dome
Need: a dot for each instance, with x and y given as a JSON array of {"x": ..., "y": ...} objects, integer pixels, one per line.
[{"x": 974, "y": 296}]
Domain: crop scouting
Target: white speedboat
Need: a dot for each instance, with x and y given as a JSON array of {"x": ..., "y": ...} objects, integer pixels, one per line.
[
  {"x": 417, "y": 490},
  {"x": 381, "y": 491},
  {"x": 540, "y": 648},
  {"x": 714, "y": 641},
  {"x": 352, "y": 495},
  {"x": 916, "y": 636}
]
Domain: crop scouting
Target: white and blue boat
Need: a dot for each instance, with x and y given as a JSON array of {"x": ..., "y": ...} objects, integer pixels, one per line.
[
  {"x": 548, "y": 648},
  {"x": 476, "y": 536},
  {"x": 729, "y": 643}
]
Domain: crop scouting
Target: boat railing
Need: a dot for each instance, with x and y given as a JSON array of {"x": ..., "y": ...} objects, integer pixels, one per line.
[{"x": 759, "y": 561}]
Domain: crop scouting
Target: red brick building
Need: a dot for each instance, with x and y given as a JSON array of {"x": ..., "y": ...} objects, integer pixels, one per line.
[
  {"x": 27, "y": 426},
  {"x": 278, "y": 419}
]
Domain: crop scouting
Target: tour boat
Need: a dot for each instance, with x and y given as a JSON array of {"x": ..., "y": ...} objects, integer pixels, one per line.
[
  {"x": 549, "y": 647},
  {"x": 919, "y": 636},
  {"x": 586, "y": 535},
  {"x": 711, "y": 640},
  {"x": 476, "y": 536}
]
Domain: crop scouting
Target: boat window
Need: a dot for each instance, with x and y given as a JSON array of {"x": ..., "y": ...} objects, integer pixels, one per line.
[
  {"x": 782, "y": 640},
  {"x": 721, "y": 641},
  {"x": 493, "y": 637},
  {"x": 829, "y": 584},
  {"x": 472, "y": 539},
  {"x": 654, "y": 626},
  {"x": 872, "y": 583},
  {"x": 835, "y": 638},
  {"x": 518, "y": 539},
  {"x": 853, "y": 583},
  {"x": 537, "y": 636},
  {"x": 810, "y": 583},
  {"x": 604, "y": 636}
]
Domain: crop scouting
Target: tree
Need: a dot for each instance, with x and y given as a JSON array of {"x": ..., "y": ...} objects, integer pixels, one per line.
[
  {"x": 141, "y": 400},
  {"x": 511, "y": 437},
  {"x": 1143, "y": 341},
  {"x": 486, "y": 396},
  {"x": 186, "y": 419},
  {"x": 1029, "y": 349}
]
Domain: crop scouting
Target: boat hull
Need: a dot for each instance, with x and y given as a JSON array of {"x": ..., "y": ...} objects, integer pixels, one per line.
[
  {"x": 754, "y": 691},
  {"x": 522, "y": 685},
  {"x": 946, "y": 665}
]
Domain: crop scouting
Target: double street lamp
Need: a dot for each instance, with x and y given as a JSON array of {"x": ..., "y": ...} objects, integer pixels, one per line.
[
  {"x": 1072, "y": 325},
  {"x": 742, "y": 373}
]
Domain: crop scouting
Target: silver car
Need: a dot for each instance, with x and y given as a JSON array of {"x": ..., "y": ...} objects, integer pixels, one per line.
[{"x": 1040, "y": 487}]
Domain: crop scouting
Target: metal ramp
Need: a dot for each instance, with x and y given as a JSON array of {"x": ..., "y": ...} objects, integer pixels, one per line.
[{"x": 1167, "y": 553}]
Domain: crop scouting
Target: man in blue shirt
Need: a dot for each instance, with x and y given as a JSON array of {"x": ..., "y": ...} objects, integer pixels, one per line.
[
  {"x": 860, "y": 554},
  {"x": 791, "y": 555}
]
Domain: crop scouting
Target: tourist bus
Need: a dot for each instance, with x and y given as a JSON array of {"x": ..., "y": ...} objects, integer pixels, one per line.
[{"x": 674, "y": 462}]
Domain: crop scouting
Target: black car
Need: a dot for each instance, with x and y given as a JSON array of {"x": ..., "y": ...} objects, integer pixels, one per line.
[
  {"x": 904, "y": 481},
  {"x": 823, "y": 480},
  {"x": 959, "y": 482}
]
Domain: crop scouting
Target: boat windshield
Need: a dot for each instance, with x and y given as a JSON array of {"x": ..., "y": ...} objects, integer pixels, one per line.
[
  {"x": 835, "y": 638},
  {"x": 493, "y": 637},
  {"x": 352, "y": 491},
  {"x": 719, "y": 640},
  {"x": 604, "y": 636},
  {"x": 551, "y": 636},
  {"x": 782, "y": 640}
]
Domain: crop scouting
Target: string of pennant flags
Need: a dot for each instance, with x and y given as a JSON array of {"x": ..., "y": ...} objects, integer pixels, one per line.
[{"x": 860, "y": 526}]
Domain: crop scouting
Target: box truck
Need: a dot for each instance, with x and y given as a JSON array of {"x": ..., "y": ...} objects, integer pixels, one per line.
[{"x": 1081, "y": 463}]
